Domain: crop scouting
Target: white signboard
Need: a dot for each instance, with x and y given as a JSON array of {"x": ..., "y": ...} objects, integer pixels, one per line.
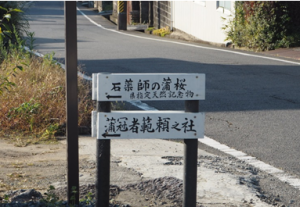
[
  {"x": 147, "y": 125},
  {"x": 149, "y": 86}
]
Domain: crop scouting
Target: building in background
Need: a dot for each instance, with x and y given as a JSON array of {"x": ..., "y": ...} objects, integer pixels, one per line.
[{"x": 202, "y": 20}]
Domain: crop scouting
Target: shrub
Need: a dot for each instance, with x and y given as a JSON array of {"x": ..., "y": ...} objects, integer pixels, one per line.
[
  {"x": 35, "y": 104},
  {"x": 13, "y": 17},
  {"x": 32, "y": 89},
  {"x": 162, "y": 32},
  {"x": 13, "y": 23},
  {"x": 261, "y": 25}
]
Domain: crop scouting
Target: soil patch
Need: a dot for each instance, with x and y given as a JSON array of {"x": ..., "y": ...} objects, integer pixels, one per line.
[{"x": 39, "y": 166}]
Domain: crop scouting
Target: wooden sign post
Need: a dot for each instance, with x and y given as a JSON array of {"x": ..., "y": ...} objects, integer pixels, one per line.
[
  {"x": 72, "y": 100},
  {"x": 103, "y": 163}
]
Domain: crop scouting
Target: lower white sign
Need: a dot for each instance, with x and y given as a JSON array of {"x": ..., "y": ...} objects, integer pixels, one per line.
[{"x": 147, "y": 125}]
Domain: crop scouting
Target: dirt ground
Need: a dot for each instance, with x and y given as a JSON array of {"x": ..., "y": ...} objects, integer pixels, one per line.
[
  {"x": 41, "y": 165},
  {"x": 31, "y": 167}
]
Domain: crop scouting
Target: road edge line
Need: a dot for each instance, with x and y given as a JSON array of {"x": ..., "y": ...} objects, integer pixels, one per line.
[{"x": 277, "y": 173}]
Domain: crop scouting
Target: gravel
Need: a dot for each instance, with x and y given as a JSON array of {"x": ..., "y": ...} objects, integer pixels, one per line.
[{"x": 170, "y": 189}]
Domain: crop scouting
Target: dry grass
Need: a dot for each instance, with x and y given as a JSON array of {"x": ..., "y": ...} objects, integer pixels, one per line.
[{"x": 35, "y": 107}]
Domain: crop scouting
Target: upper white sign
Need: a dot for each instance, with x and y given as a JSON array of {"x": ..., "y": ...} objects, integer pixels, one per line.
[{"x": 148, "y": 86}]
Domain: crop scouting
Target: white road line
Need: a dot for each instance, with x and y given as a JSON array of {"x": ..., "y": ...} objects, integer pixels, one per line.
[
  {"x": 280, "y": 174},
  {"x": 61, "y": 65}
]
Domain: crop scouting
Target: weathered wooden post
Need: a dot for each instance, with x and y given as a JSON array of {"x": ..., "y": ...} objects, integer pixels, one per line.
[
  {"x": 102, "y": 149},
  {"x": 72, "y": 100},
  {"x": 190, "y": 162},
  {"x": 103, "y": 163}
]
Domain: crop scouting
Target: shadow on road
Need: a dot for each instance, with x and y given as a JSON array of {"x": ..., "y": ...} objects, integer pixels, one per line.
[{"x": 228, "y": 87}]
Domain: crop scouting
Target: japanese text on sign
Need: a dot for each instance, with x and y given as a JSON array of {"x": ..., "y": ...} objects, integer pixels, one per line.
[
  {"x": 151, "y": 87},
  {"x": 150, "y": 125}
]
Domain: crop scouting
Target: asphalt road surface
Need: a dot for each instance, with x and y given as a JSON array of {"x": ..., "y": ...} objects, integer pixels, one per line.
[{"x": 252, "y": 104}]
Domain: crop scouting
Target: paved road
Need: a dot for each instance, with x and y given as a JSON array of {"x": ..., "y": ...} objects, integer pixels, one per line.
[{"x": 252, "y": 104}]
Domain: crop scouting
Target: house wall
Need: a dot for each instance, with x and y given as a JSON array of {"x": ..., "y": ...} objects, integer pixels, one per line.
[
  {"x": 201, "y": 19},
  {"x": 100, "y": 5},
  {"x": 161, "y": 14},
  {"x": 114, "y": 16},
  {"x": 144, "y": 12}
]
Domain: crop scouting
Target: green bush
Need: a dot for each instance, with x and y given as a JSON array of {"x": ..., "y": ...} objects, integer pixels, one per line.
[
  {"x": 262, "y": 25},
  {"x": 13, "y": 21},
  {"x": 12, "y": 24}
]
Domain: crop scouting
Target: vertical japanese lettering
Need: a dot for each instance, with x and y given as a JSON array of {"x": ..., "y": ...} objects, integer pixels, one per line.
[
  {"x": 155, "y": 86},
  {"x": 162, "y": 124},
  {"x": 116, "y": 87},
  {"x": 180, "y": 94},
  {"x": 179, "y": 85},
  {"x": 146, "y": 125},
  {"x": 155, "y": 94},
  {"x": 172, "y": 94},
  {"x": 111, "y": 125},
  {"x": 140, "y": 95},
  {"x": 135, "y": 126},
  {"x": 143, "y": 85},
  {"x": 128, "y": 85},
  {"x": 189, "y": 93},
  {"x": 163, "y": 94},
  {"x": 188, "y": 126},
  {"x": 175, "y": 126},
  {"x": 147, "y": 95},
  {"x": 122, "y": 125},
  {"x": 132, "y": 96},
  {"x": 166, "y": 84}
]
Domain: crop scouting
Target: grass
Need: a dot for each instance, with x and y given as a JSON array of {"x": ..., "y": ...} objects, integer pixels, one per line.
[
  {"x": 162, "y": 32},
  {"x": 17, "y": 164},
  {"x": 16, "y": 175},
  {"x": 150, "y": 28},
  {"x": 33, "y": 98}
]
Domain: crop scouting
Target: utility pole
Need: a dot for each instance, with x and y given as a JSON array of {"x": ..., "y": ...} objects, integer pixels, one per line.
[{"x": 122, "y": 15}]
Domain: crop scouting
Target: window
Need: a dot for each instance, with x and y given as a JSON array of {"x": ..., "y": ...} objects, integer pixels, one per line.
[{"x": 224, "y": 6}]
